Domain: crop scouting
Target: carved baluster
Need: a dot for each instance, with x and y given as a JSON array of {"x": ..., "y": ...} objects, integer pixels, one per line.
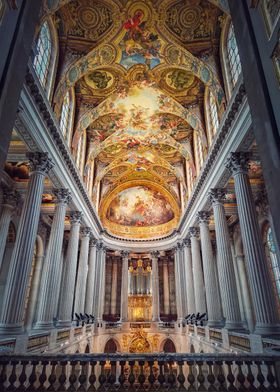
[
  {"x": 270, "y": 376},
  {"x": 200, "y": 376},
  {"x": 22, "y": 377},
  {"x": 240, "y": 376},
  {"x": 82, "y": 377},
  {"x": 211, "y": 377},
  {"x": 181, "y": 377},
  {"x": 171, "y": 379},
  {"x": 161, "y": 378},
  {"x": 131, "y": 377},
  {"x": 250, "y": 376},
  {"x": 102, "y": 376},
  {"x": 33, "y": 376},
  {"x": 43, "y": 376},
  {"x": 191, "y": 377},
  {"x": 260, "y": 377},
  {"x": 92, "y": 377},
  {"x": 221, "y": 377},
  {"x": 151, "y": 377},
  {"x": 141, "y": 377},
  {"x": 3, "y": 374},
  {"x": 73, "y": 377},
  {"x": 62, "y": 376},
  {"x": 13, "y": 376},
  {"x": 122, "y": 375},
  {"x": 112, "y": 376},
  {"x": 230, "y": 377},
  {"x": 52, "y": 377}
]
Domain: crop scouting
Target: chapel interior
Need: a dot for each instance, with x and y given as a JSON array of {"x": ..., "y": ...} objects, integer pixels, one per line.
[{"x": 139, "y": 195}]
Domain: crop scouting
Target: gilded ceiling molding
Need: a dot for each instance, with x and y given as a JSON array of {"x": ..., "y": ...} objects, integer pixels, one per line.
[{"x": 135, "y": 231}]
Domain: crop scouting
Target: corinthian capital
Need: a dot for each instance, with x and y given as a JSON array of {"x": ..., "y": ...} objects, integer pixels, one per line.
[
  {"x": 155, "y": 254},
  {"x": 75, "y": 217},
  {"x": 193, "y": 232},
  {"x": 40, "y": 162},
  {"x": 203, "y": 216},
  {"x": 11, "y": 198},
  {"x": 86, "y": 231},
  {"x": 62, "y": 195},
  {"x": 238, "y": 162},
  {"x": 124, "y": 254},
  {"x": 187, "y": 242},
  {"x": 217, "y": 195}
]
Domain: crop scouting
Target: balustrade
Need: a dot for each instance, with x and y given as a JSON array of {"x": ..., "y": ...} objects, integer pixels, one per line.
[{"x": 113, "y": 372}]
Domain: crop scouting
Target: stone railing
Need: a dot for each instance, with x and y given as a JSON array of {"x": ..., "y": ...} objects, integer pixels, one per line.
[{"x": 113, "y": 372}]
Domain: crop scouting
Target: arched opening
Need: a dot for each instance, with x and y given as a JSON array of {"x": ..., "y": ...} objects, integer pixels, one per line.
[
  {"x": 110, "y": 346},
  {"x": 169, "y": 346},
  {"x": 192, "y": 350},
  {"x": 87, "y": 349}
]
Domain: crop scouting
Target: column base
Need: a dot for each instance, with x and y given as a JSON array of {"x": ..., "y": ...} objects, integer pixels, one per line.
[
  {"x": 235, "y": 326},
  {"x": 43, "y": 325},
  {"x": 12, "y": 329},
  {"x": 64, "y": 324},
  {"x": 267, "y": 329},
  {"x": 215, "y": 324}
]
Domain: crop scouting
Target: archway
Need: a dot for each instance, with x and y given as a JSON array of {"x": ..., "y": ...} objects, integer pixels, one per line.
[
  {"x": 169, "y": 346},
  {"x": 111, "y": 346}
]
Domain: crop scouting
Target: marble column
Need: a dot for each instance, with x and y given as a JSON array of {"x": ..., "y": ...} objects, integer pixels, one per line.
[
  {"x": 124, "y": 289},
  {"x": 189, "y": 276},
  {"x": 261, "y": 287},
  {"x": 101, "y": 296},
  {"x": 113, "y": 309},
  {"x": 229, "y": 296},
  {"x": 47, "y": 309},
  {"x": 80, "y": 292},
  {"x": 166, "y": 304},
  {"x": 212, "y": 292},
  {"x": 10, "y": 202},
  {"x": 182, "y": 277},
  {"x": 155, "y": 286},
  {"x": 96, "y": 283},
  {"x": 178, "y": 285},
  {"x": 90, "y": 276},
  {"x": 11, "y": 320},
  {"x": 68, "y": 288},
  {"x": 199, "y": 289}
]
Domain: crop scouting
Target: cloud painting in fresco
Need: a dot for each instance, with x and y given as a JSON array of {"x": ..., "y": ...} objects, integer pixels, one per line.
[{"x": 140, "y": 206}]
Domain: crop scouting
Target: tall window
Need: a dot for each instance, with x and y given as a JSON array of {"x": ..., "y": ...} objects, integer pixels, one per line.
[
  {"x": 65, "y": 115},
  {"x": 274, "y": 266},
  {"x": 199, "y": 151},
  {"x": 233, "y": 56},
  {"x": 213, "y": 113},
  {"x": 42, "y": 57}
]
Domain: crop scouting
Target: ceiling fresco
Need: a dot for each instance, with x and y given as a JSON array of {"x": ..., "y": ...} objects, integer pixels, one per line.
[{"x": 139, "y": 71}]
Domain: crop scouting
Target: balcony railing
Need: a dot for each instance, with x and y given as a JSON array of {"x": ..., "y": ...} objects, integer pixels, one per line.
[{"x": 119, "y": 372}]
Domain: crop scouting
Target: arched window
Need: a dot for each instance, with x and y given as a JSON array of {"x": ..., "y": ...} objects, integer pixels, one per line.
[
  {"x": 233, "y": 56},
  {"x": 65, "y": 115},
  {"x": 273, "y": 263},
  {"x": 213, "y": 113},
  {"x": 43, "y": 51}
]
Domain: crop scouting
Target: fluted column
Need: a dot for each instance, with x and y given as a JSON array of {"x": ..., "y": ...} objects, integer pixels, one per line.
[
  {"x": 189, "y": 276},
  {"x": 178, "y": 285},
  {"x": 155, "y": 286},
  {"x": 80, "y": 293},
  {"x": 199, "y": 289},
  {"x": 90, "y": 276},
  {"x": 226, "y": 275},
  {"x": 166, "y": 300},
  {"x": 102, "y": 283},
  {"x": 124, "y": 289},
  {"x": 10, "y": 202},
  {"x": 113, "y": 309},
  {"x": 11, "y": 320},
  {"x": 47, "y": 309},
  {"x": 96, "y": 283},
  {"x": 182, "y": 277},
  {"x": 211, "y": 289},
  {"x": 67, "y": 291},
  {"x": 261, "y": 287}
]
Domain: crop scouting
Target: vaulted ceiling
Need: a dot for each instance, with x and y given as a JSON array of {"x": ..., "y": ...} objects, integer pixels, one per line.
[{"x": 139, "y": 70}]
